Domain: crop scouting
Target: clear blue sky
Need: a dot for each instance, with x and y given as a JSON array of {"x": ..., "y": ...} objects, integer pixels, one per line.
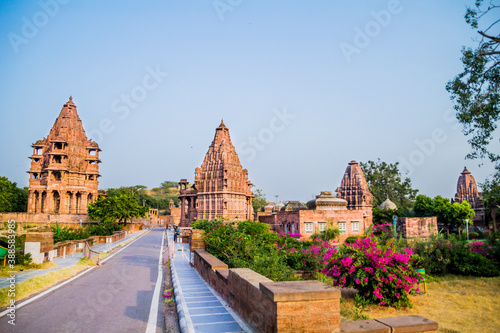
[{"x": 347, "y": 84}]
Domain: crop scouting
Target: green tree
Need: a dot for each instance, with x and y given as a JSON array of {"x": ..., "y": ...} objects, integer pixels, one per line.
[
  {"x": 22, "y": 199},
  {"x": 259, "y": 200},
  {"x": 119, "y": 208},
  {"x": 8, "y": 195},
  {"x": 169, "y": 183},
  {"x": 475, "y": 91},
  {"x": 459, "y": 212},
  {"x": 447, "y": 213},
  {"x": 385, "y": 180},
  {"x": 423, "y": 206},
  {"x": 381, "y": 216},
  {"x": 12, "y": 198}
]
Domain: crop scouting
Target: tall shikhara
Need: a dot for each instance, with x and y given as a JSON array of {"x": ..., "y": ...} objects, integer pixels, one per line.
[
  {"x": 221, "y": 187},
  {"x": 64, "y": 167},
  {"x": 354, "y": 189},
  {"x": 467, "y": 191}
]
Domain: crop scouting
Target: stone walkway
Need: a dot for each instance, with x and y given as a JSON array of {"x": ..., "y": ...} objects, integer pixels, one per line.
[
  {"x": 68, "y": 261},
  {"x": 199, "y": 307}
]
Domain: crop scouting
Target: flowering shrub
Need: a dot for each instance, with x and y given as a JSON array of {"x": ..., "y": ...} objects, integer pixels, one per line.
[
  {"x": 305, "y": 256},
  {"x": 379, "y": 273},
  {"x": 442, "y": 256},
  {"x": 480, "y": 247},
  {"x": 382, "y": 227},
  {"x": 289, "y": 234}
]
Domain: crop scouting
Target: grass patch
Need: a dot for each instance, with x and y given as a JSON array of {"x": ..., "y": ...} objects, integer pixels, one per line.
[
  {"x": 39, "y": 283},
  {"x": 6, "y": 271},
  {"x": 457, "y": 303}
]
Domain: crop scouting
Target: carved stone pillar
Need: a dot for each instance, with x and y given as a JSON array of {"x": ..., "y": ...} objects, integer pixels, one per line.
[{"x": 183, "y": 211}]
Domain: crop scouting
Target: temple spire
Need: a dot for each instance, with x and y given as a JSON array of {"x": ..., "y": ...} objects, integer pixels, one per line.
[{"x": 222, "y": 124}]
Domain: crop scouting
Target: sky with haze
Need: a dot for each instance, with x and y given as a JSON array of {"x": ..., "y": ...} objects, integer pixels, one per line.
[{"x": 303, "y": 86}]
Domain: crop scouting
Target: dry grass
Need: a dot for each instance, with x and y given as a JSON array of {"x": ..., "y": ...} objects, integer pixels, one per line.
[
  {"x": 458, "y": 304},
  {"x": 6, "y": 271},
  {"x": 39, "y": 283}
]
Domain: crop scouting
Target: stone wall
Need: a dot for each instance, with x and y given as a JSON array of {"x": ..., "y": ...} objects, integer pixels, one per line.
[
  {"x": 41, "y": 247},
  {"x": 44, "y": 217},
  {"x": 417, "y": 226},
  {"x": 291, "y": 306}
]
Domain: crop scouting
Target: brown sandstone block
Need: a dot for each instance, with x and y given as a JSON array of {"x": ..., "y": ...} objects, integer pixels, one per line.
[
  {"x": 288, "y": 291},
  {"x": 291, "y": 308},
  {"x": 364, "y": 326},
  {"x": 315, "y": 322},
  {"x": 408, "y": 324},
  {"x": 284, "y": 323},
  {"x": 323, "y": 306}
]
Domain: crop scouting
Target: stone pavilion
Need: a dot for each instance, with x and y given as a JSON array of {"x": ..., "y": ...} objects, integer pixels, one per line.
[{"x": 64, "y": 168}]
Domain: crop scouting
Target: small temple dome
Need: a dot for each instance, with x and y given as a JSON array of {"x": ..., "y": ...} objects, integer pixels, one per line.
[
  {"x": 292, "y": 206},
  {"x": 268, "y": 208},
  {"x": 278, "y": 207},
  {"x": 311, "y": 204},
  {"x": 327, "y": 201},
  {"x": 388, "y": 204}
]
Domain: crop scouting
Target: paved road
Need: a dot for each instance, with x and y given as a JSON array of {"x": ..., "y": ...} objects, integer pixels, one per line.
[
  {"x": 115, "y": 297},
  {"x": 69, "y": 261}
]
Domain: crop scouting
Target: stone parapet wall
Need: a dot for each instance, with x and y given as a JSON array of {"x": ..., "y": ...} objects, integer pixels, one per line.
[
  {"x": 41, "y": 247},
  {"x": 292, "y": 306}
]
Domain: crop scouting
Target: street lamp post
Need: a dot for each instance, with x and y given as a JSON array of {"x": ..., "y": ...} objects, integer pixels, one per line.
[
  {"x": 467, "y": 227},
  {"x": 394, "y": 218}
]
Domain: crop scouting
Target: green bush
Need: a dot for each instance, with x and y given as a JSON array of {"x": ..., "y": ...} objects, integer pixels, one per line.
[
  {"x": 66, "y": 233},
  {"x": 353, "y": 239},
  {"x": 327, "y": 235},
  {"x": 454, "y": 255},
  {"x": 466, "y": 262},
  {"x": 436, "y": 255},
  {"x": 105, "y": 228},
  {"x": 473, "y": 235},
  {"x": 20, "y": 258},
  {"x": 246, "y": 245}
]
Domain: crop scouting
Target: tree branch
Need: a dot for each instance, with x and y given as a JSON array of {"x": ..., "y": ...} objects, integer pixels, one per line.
[{"x": 496, "y": 39}]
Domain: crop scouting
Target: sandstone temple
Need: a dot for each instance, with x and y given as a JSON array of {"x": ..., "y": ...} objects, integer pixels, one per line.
[
  {"x": 350, "y": 210},
  {"x": 467, "y": 191},
  {"x": 221, "y": 188},
  {"x": 64, "y": 167}
]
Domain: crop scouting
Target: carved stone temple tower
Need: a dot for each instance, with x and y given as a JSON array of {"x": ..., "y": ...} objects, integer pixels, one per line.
[
  {"x": 467, "y": 191},
  {"x": 221, "y": 186},
  {"x": 354, "y": 189},
  {"x": 64, "y": 167}
]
